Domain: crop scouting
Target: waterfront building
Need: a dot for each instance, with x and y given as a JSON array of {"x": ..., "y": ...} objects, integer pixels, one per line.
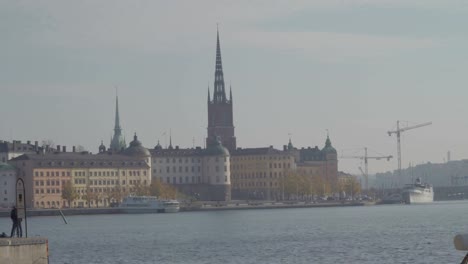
[
  {"x": 259, "y": 173},
  {"x": 117, "y": 142},
  {"x": 97, "y": 179},
  {"x": 7, "y": 185},
  {"x": 220, "y": 108},
  {"x": 9, "y": 150},
  {"x": 200, "y": 173},
  {"x": 321, "y": 164}
]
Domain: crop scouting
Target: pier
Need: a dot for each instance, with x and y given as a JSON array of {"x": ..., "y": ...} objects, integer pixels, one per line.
[{"x": 24, "y": 250}]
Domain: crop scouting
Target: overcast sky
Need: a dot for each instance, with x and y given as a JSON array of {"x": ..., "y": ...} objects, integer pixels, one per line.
[{"x": 295, "y": 67}]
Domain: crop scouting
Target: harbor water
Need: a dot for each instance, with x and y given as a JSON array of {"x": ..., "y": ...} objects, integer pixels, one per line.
[{"x": 413, "y": 234}]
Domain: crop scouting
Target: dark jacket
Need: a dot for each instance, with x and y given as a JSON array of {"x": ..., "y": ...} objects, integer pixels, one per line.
[{"x": 14, "y": 214}]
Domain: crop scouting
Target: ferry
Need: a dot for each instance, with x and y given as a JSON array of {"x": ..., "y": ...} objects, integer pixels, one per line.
[
  {"x": 148, "y": 204},
  {"x": 418, "y": 193}
]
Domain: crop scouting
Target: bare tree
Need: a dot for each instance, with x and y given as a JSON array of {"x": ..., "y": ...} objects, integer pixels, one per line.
[{"x": 48, "y": 142}]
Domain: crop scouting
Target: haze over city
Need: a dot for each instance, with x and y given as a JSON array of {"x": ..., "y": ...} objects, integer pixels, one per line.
[{"x": 296, "y": 68}]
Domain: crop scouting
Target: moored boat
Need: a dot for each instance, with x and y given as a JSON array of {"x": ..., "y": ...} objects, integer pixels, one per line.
[
  {"x": 418, "y": 192},
  {"x": 148, "y": 204}
]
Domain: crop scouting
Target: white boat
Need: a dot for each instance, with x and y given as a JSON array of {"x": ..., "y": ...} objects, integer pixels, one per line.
[
  {"x": 148, "y": 204},
  {"x": 418, "y": 193}
]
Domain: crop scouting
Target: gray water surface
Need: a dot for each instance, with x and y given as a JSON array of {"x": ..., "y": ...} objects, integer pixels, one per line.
[{"x": 371, "y": 234}]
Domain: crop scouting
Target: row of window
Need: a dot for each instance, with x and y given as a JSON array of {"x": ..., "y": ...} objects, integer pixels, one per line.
[
  {"x": 107, "y": 190},
  {"x": 254, "y": 184},
  {"x": 188, "y": 179},
  {"x": 261, "y": 158},
  {"x": 91, "y": 173},
  {"x": 92, "y": 163},
  {"x": 108, "y": 182},
  {"x": 174, "y": 160},
  {"x": 51, "y": 173},
  {"x": 256, "y": 175},
  {"x": 48, "y": 183},
  {"x": 271, "y": 165},
  {"x": 40, "y": 191}
]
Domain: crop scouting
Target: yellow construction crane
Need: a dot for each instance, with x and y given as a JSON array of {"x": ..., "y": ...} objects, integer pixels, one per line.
[
  {"x": 366, "y": 164},
  {"x": 398, "y": 133}
]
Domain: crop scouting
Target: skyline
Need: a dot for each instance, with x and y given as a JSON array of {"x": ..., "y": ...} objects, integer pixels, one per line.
[{"x": 295, "y": 68}]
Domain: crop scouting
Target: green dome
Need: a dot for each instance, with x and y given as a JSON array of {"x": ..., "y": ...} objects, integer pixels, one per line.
[
  {"x": 5, "y": 167},
  {"x": 216, "y": 148},
  {"x": 328, "y": 147},
  {"x": 136, "y": 149}
]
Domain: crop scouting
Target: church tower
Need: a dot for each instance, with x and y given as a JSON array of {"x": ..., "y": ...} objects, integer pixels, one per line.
[
  {"x": 117, "y": 141},
  {"x": 220, "y": 116}
]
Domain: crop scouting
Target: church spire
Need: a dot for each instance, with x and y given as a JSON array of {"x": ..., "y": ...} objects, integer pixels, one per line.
[
  {"x": 219, "y": 94},
  {"x": 117, "y": 117},
  {"x": 117, "y": 141}
]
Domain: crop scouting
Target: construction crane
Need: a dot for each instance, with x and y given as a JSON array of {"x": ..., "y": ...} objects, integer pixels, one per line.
[
  {"x": 398, "y": 133},
  {"x": 366, "y": 164}
]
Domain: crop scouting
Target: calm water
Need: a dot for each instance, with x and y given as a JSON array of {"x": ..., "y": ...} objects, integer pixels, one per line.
[{"x": 374, "y": 234}]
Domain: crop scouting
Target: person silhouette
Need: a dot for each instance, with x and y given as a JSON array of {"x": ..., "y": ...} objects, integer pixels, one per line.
[{"x": 14, "y": 218}]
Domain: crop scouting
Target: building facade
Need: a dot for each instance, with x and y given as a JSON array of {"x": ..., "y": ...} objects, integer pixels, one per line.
[
  {"x": 97, "y": 179},
  {"x": 321, "y": 163},
  {"x": 220, "y": 108},
  {"x": 259, "y": 173},
  {"x": 7, "y": 185},
  {"x": 199, "y": 173}
]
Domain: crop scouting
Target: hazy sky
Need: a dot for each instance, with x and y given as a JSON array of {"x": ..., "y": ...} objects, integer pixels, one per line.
[{"x": 299, "y": 67}]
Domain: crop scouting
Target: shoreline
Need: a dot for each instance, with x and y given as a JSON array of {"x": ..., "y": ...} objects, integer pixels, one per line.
[{"x": 197, "y": 208}]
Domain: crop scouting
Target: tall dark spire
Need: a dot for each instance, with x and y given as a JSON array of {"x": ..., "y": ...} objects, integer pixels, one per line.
[
  {"x": 117, "y": 141},
  {"x": 219, "y": 94},
  {"x": 117, "y": 117}
]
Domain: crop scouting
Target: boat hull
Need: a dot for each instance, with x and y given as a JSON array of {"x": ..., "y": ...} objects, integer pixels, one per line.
[{"x": 418, "y": 196}]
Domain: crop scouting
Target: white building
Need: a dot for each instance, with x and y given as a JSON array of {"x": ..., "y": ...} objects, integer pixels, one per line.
[
  {"x": 202, "y": 173},
  {"x": 7, "y": 185}
]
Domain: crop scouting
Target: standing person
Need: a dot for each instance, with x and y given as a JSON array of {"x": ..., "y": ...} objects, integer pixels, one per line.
[
  {"x": 19, "y": 229},
  {"x": 14, "y": 218}
]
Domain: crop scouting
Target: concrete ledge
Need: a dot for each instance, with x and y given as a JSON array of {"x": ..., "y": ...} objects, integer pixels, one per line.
[
  {"x": 24, "y": 250},
  {"x": 14, "y": 241}
]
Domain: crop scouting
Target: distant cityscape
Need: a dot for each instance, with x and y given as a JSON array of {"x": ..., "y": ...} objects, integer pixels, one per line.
[{"x": 56, "y": 176}]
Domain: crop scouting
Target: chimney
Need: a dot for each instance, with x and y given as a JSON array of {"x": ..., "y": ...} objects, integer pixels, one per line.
[
  {"x": 64, "y": 148},
  {"x": 74, "y": 148},
  {"x": 29, "y": 142},
  {"x": 36, "y": 145},
  {"x": 14, "y": 145},
  {"x": 284, "y": 147},
  {"x": 58, "y": 148},
  {"x": 47, "y": 148}
]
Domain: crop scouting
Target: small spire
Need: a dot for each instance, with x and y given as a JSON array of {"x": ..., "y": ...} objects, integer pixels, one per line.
[
  {"x": 135, "y": 136},
  {"x": 170, "y": 139},
  {"x": 117, "y": 116},
  {"x": 230, "y": 93},
  {"x": 209, "y": 97}
]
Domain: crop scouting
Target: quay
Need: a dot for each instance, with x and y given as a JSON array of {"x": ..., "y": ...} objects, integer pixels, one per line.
[
  {"x": 24, "y": 250},
  {"x": 197, "y": 206}
]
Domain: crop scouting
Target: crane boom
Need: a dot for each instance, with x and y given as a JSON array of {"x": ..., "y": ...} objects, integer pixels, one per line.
[
  {"x": 398, "y": 133},
  {"x": 408, "y": 128},
  {"x": 366, "y": 158}
]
